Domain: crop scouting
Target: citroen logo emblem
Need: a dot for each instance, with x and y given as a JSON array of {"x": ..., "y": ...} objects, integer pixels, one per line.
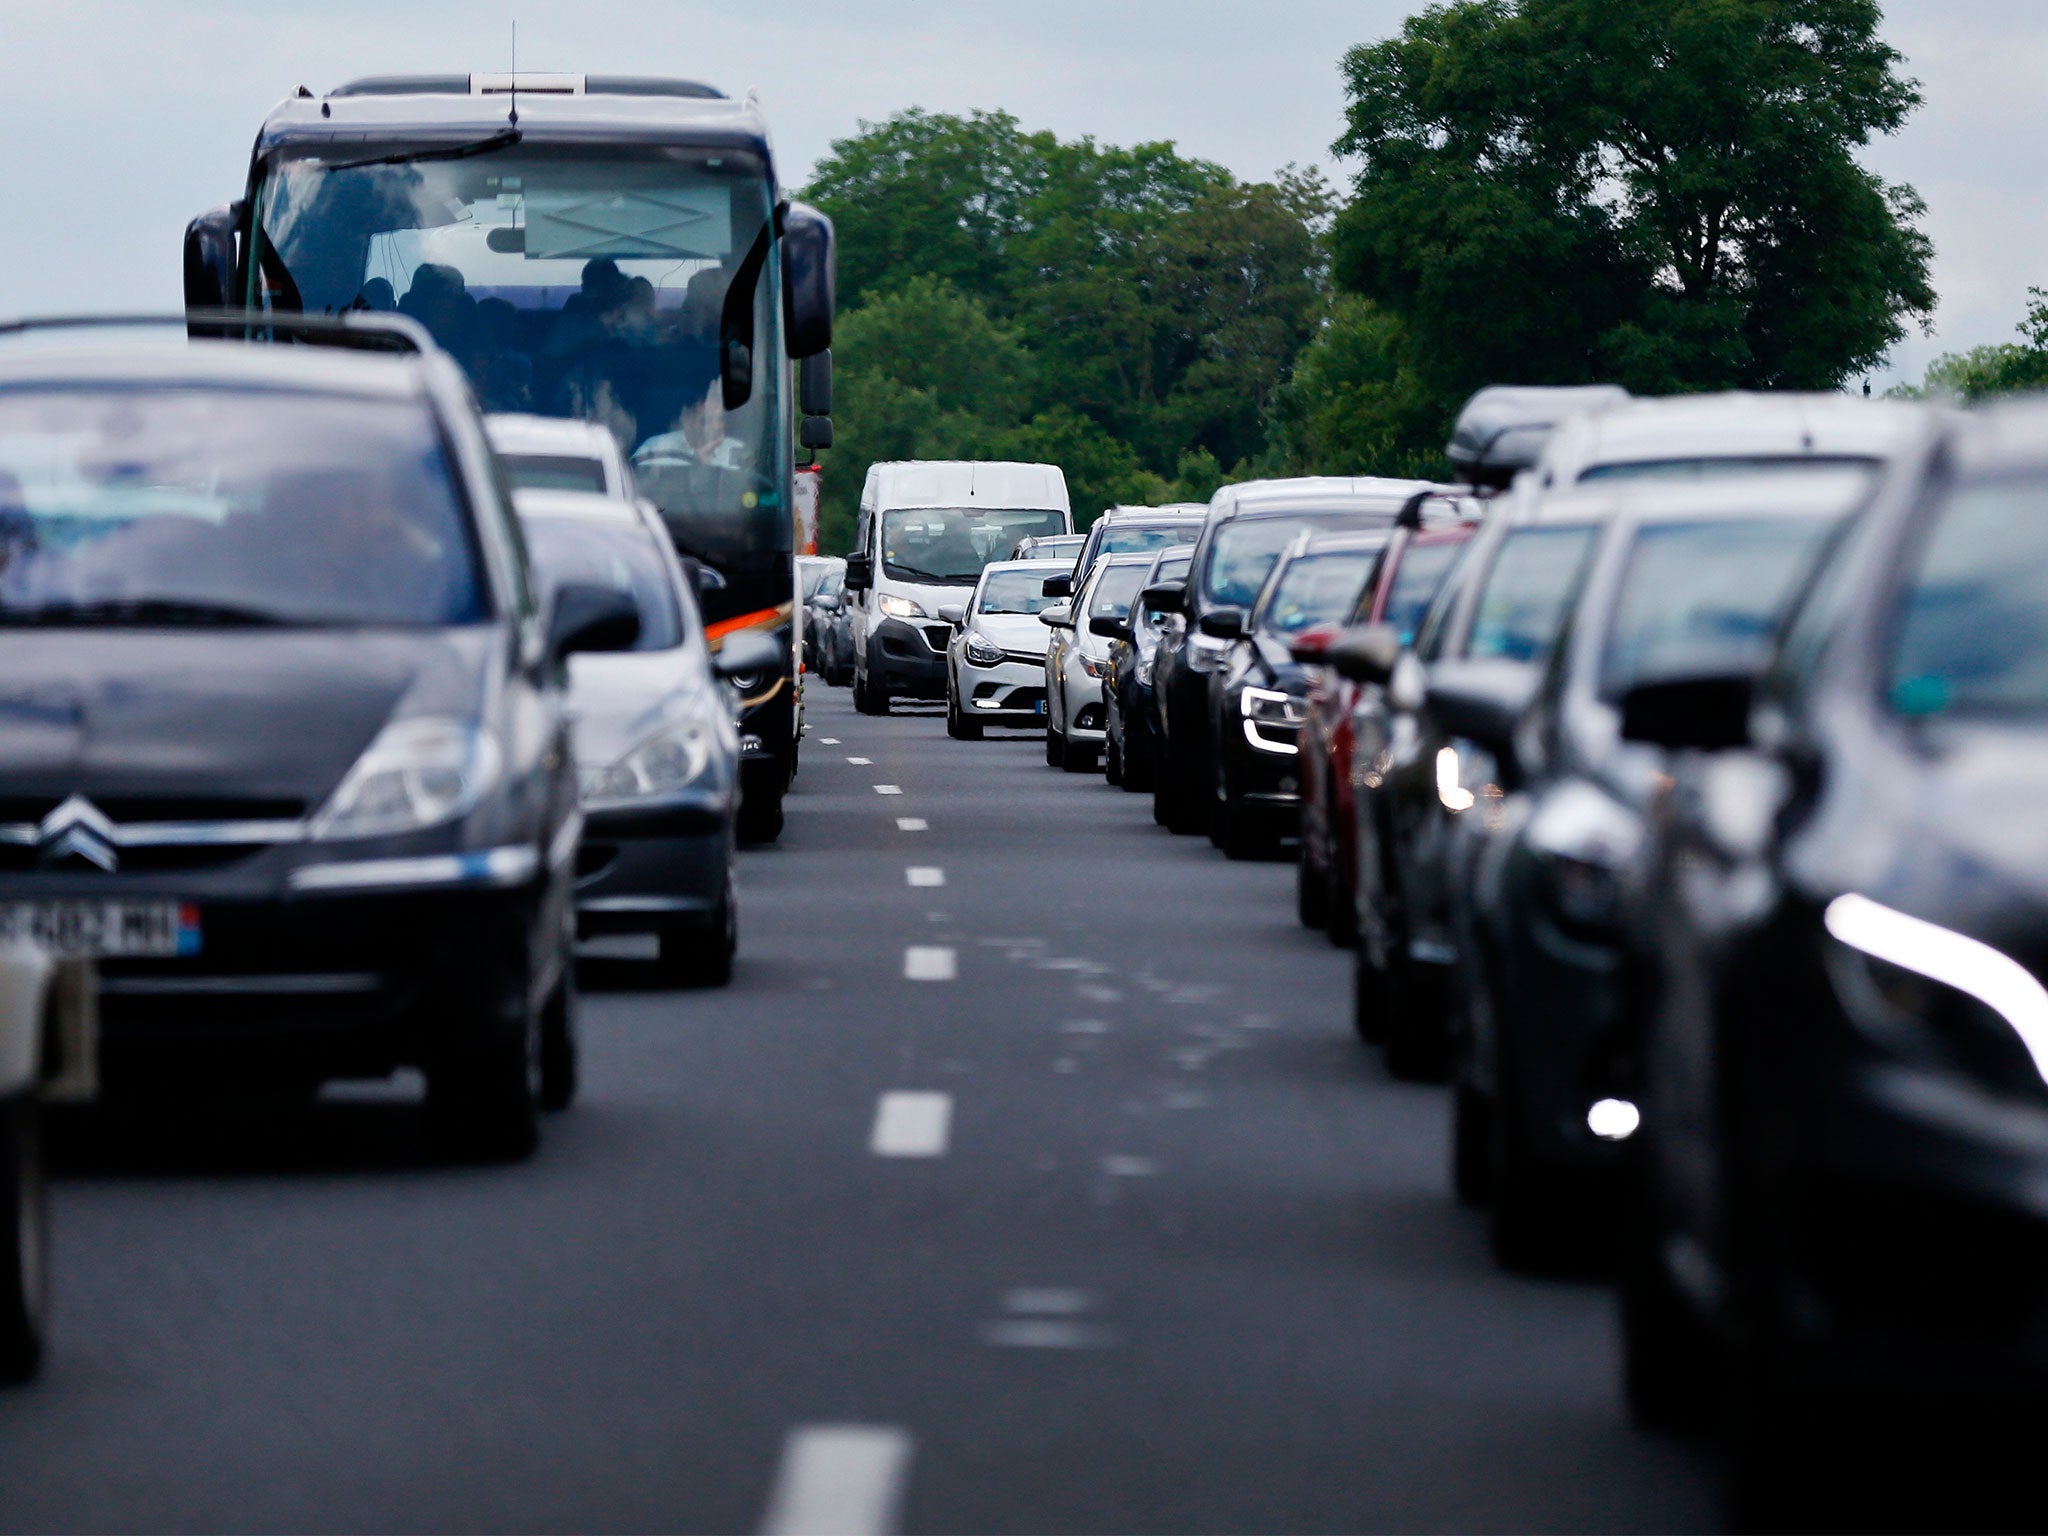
[{"x": 77, "y": 830}]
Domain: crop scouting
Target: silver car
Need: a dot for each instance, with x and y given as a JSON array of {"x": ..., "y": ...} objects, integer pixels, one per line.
[
  {"x": 657, "y": 749},
  {"x": 995, "y": 665},
  {"x": 1078, "y": 662}
]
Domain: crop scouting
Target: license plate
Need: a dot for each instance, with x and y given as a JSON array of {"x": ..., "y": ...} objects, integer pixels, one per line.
[
  {"x": 102, "y": 930},
  {"x": 1038, "y": 708}
]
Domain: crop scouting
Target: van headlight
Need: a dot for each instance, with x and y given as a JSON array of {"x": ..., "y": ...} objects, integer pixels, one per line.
[
  {"x": 417, "y": 773},
  {"x": 981, "y": 653},
  {"x": 671, "y": 759},
  {"x": 901, "y": 608}
]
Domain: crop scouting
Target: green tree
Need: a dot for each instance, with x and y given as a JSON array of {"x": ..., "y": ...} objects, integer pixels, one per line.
[
  {"x": 2003, "y": 368},
  {"x": 1661, "y": 192},
  {"x": 1353, "y": 406}
]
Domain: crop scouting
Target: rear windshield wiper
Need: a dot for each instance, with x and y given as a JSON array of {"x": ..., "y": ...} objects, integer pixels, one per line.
[
  {"x": 504, "y": 138},
  {"x": 142, "y": 612}
]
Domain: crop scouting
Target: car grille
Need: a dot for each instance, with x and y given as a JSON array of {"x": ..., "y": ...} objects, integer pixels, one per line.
[{"x": 938, "y": 636}]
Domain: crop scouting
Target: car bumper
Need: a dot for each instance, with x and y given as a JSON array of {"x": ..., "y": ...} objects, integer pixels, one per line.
[
  {"x": 1008, "y": 693},
  {"x": 903, "y": 660},
  {"x": 1086, "y": 718},
  {"x": 1265, "y": 783},
  {"x": 647, "y": 867}
]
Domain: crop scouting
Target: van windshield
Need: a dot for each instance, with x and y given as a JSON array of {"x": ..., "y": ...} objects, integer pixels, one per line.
[{"x": 946, "y": 544}]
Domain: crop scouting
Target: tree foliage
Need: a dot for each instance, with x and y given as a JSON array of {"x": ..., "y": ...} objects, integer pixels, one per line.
[
  {"x": 1659, "y": 192},
  {"x": 1164, "y": 303},
  {"x": 2003, "y": 368}
]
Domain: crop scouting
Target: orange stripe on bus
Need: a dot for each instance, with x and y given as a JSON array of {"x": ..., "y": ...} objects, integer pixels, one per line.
[{"x": 760, "y": 618}]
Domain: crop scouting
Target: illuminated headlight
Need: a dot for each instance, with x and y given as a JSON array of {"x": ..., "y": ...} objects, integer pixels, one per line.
[
  {"x": 981, "y": 653},
  {"x": 1973, "y": 973},
  {"x": 1144, "y": 666},
  {"x": 901, "y": 608},
  {"x": 1613, "y": 1119},
  {"x": 1096, "y": 666},
  {"x": 1451, "y": 788},
  {"x": 1266, "y": 710},
  {"x": 671, "y": 759},
  {"x": 417, "y": 773}
]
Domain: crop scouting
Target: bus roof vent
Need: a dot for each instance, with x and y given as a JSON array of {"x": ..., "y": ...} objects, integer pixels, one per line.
[
  {"x": 528, "y": 83},
  {"x": 405, "y": 85}
]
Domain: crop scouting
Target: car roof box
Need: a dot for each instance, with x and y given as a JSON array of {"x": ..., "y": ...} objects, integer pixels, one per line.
[{"x": 1502, "y": 429}]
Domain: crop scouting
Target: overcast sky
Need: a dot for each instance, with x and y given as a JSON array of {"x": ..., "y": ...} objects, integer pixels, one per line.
[{"x": 122, "y": 118}]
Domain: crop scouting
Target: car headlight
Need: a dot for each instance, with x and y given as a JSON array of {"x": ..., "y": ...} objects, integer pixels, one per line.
[
  {"x": 1461, "y": 773},
  {"x": 980, "y": 652},
  {"x": 1584, "y": 841},
  {"x": 672, "y": 758},
  {"x": 901, "y": 608},
  {"x": 1268, "y": 709},
  {"x": 1143, "y": 666},
  {"x": 417, "y": 773},
  {"x": 1096, "y": 666}
]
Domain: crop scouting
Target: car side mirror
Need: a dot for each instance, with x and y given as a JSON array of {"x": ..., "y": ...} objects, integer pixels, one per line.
[
  {"x": 746, "y": 652},
  {"x": 588, "y": 617},
  {"x": 1365, "y": 653},
  {"x": 953, "y": 613},
  {"x": 1483, "y": 701},
  {"x": 1166, "y": 597},
  {"x": 860, "y": 572},
  {"x": 1057, "y": 586},
  {"x": 1308, "y": 646},
  {"x": 1109, "y": 627},
  {"x": 809, "y": 279},
  {"x": 1708, "y": 713},
  {"x": 1223, "y": 624},
  {"x": 1059, "y": 616},
  {"x": 210, "y": 259}
]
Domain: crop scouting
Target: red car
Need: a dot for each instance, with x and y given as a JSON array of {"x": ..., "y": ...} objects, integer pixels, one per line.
[{"x": 1407, "y": 577}]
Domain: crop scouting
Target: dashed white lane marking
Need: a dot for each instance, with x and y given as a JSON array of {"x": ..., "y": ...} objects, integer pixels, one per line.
[
  {"x": 930, "y": 962},
  {"x": 839, "y": 1480},
  {"x": 860, "y": 762},
  {"x": 925, "y": 874},
  {"x": 912, "y": 824},
  {"x": 828, "y": 741},
  {"x": 911, "y": 1124},
  {"x": 1047, "y": 1318},
  {"x": 888, "y": 789}
]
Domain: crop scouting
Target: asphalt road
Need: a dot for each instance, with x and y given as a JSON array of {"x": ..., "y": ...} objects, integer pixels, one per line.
[{"x": 1167, "y": 1251}]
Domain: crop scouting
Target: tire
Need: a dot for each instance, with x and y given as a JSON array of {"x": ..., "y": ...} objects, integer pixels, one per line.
[
  {"x": 1311, "y": 890},
  {"x": 1076, "y": 756},
  {"x": 1525, "y": 1219},
  {"x": 867, "y": 698},
  {"x": 559, "y": 1074},
  {"x": 1670, "y": 1368},
  {"x": 1138, "y": 776},
  {"x": 760, "y": 816},
  {"x": 1112, "y": 762},
  {"x": 1471, "y": 1145},
  {"x": 701, "y": 955},
  {"x": 1187, "y": 803},
  {"x": 1055, "y": 747},
  {"x": 24, "y": 1241},
  {"x": 1368, "y": 998},
  {"x": 1162, "y": 801},
  {"x": 958, "y": 726},
  {"x": 484, "y": 1091},
  {"x": 1415, "y": 1024},
  {"x": 1239, "y": 834},
  {"x": 1341, "y": 926}
]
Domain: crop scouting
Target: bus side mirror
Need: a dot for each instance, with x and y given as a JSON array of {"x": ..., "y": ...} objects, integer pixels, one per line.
[
  {"x": 210, "y": 259},
  {"x": 814, "y": 384},
  {"x": 809, "y": 279},
  {"x": 814, "y": 432}
]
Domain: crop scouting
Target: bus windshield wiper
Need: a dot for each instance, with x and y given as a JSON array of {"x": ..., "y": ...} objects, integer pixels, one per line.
[
  {"x": 142, "y": 612},
  {"x": 912, "y": 573},
  {"x": 504, "y": 138}
]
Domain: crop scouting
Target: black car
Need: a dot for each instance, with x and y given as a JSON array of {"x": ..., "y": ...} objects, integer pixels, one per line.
[
  {"x": 283, "y": 743},
  {"x": 1130, "y": 708},
  {"x": 1259, "y": 693},
  {"x": 1681, "y": 578},
  {"x": 1247, "y": 528},
  {"x": 1841, "y": 1072}
]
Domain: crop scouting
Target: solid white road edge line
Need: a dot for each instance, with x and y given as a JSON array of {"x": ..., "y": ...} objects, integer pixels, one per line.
[
  {"x": 930, "y": 962},
  {"x": 839, "y": 1480},
  {"x": 911, "y": 1124}
]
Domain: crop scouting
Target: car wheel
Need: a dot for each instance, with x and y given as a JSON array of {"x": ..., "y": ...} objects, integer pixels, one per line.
[
  {"x": 1162, "y": 800},
  {"x": 1076, "y": 756},
  {"x": 1311, "y": 890},
  {"x": 701, "y": 955},
  {"x": 1415, "y": 1034},
  {"x": 958, "y": 726},
  {"x": 24, "y": 1241},
  {"x": 1527, "y": 1223},
  {"x": 558, "y": 1064},
  {"x": 760, "y": 816},
  {"x": 1137, "y": 765},
  {"x": 1368, "y": 997},
  {"x": 1187, "y": 806},
  {"x": 1242, "y": 836},
  {"x": 1055, "y": 747},
  {"x": 1112, "y": 762},
  {"x": 1471, "y": 1144},
  {"x": 484, "y": 1091},
  {"x": 1670, "y": 1367}
]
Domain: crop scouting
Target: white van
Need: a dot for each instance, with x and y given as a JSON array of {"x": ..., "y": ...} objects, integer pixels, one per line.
[{"x": 926, "y": 530}]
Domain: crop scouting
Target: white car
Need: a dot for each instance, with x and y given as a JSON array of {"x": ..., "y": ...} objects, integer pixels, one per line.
[
  {"x": 1078, "y": 662},
  {"x": 995, "y": 665},
  {"x": 553, "y": 453}
]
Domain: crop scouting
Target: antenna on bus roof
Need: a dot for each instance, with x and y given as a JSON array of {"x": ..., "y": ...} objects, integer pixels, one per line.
[{"x": 514, "y": 78}]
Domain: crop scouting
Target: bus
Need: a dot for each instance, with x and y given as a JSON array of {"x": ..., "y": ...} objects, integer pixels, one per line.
[{"x": 615, "y": 248}]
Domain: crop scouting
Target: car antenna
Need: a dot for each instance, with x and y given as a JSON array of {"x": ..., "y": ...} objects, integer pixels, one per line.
[{"x": 514, "y": 118}]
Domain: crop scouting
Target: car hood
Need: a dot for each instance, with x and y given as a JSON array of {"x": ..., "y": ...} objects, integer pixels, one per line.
[
  {"x": 1014, "y": 631},
  {"x": 618, "y": 699},
  {"x": 219, "y": 716}
]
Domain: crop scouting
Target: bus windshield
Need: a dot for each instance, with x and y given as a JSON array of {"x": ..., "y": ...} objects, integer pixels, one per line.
[{"x": 587, "y": 283}]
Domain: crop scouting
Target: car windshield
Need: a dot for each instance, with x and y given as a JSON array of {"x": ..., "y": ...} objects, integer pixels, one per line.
[
  {"x": 610, "y": 552},
  {"x": 1972, "y": 626},
  {"x": 1701, "y": 597},
  {"x": 1114, "y": 590},
  {"x": 831, "y": 586},
  {"x": 1016, "y": 591},
  {"x": 1856, "y": 472},
  {"x": 1421, "y": 572},
  {"x": 554, "y": 472},
  {"x": 193, "y": 506},
  {"x": 1241, "y": 557},
  {"x": 1129, "y": 539},
  {"x": 1524, "y": 598},
  {"x": 1317, "y": 589},
  {"x": 590, "y": 283},
  {"x": 946, "y": 544}
]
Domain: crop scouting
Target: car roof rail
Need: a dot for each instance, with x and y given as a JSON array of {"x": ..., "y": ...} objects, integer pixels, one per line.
[{"x": 361, "y": 330}]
